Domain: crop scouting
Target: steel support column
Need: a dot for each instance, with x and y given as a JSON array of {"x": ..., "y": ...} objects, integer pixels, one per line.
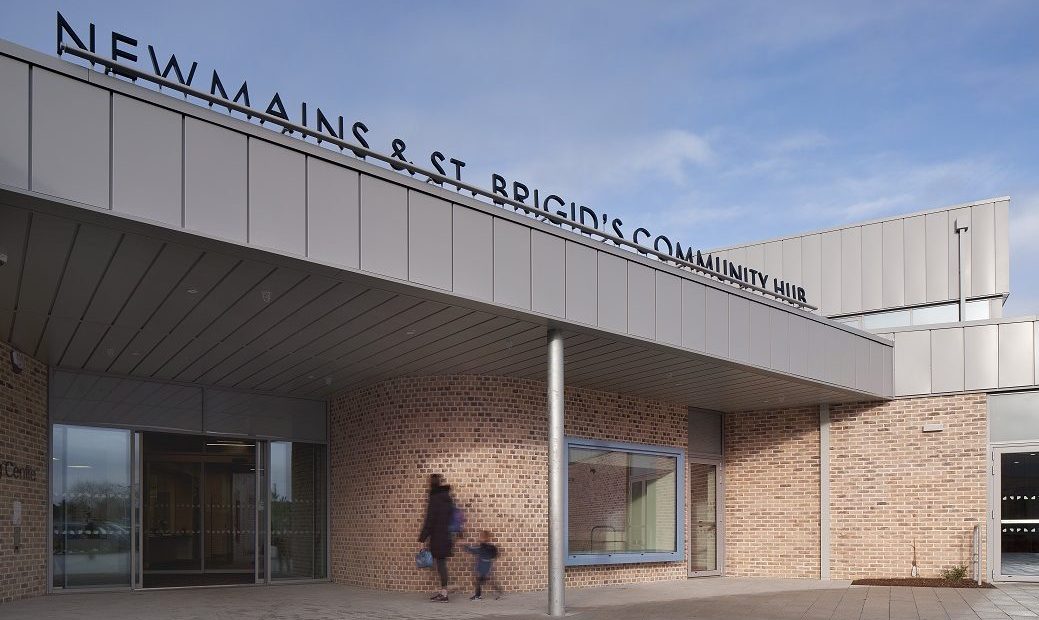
[
  {"x": 556, "y": 475},
  {"x": 824, "y": 491}
]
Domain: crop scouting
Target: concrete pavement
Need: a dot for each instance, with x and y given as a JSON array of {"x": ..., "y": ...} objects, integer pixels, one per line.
[{"x": 707, "y": 598}]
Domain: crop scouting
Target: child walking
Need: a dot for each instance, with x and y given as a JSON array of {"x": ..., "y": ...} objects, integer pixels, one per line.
[{"x": 485, "y": 553}]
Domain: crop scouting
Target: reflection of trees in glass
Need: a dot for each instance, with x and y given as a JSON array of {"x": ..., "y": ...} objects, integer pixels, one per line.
[{"x": 94, "y": 517}]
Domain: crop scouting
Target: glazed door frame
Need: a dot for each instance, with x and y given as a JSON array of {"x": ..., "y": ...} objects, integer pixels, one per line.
[
  {"x": 995, "y": 526},
  {"x": 719, "y": 519}
]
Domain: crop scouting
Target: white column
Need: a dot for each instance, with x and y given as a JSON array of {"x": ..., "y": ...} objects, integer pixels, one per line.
[{"x": 556, "y": 479}]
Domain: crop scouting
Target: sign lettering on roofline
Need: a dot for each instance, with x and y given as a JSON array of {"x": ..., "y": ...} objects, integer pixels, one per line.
[{"x": 334, "y": 129}]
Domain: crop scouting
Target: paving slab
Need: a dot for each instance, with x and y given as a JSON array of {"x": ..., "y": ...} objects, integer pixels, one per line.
[{"x": 716, "y": 598}]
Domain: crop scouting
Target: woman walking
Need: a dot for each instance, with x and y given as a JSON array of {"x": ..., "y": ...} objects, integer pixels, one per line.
[{"x": 436, "y": 528}]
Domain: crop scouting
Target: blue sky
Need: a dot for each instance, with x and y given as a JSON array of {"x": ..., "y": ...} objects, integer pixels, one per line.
[{"x": 721, "y": 122}]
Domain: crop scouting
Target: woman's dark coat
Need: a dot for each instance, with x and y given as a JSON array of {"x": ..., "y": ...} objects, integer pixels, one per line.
[{"x": 437, "y": 525}]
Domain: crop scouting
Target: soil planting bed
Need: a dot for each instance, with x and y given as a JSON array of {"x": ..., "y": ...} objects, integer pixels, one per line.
[{"x": 922, "y": 582}]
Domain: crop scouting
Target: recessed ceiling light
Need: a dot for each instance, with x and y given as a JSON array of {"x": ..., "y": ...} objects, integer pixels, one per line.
[
  {"x": 192, "y": 291},
  {"x": 410, "y": 332},
  {"x": 135, "y": 353},
  {"x": 310, "y": 376}
]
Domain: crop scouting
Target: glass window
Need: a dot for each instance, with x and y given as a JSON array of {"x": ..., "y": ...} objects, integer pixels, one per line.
[
  {"x": 297, "y": 479},
  {"x": 90, "y": 499},
  {"x": 882, "y": 320},
  {"x": 977, "y": 310},
  {"x": 625, "y": 503},
  {"x": 947, "y": 313}
]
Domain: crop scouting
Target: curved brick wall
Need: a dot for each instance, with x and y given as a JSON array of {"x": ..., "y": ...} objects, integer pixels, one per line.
[{"x": 488, "y": 436}]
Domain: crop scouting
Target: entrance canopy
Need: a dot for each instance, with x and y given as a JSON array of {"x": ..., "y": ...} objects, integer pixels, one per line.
[{"x": 153, "y": 238}]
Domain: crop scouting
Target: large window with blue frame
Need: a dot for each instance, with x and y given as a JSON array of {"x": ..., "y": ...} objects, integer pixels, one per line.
[{"x": 625, "y": 503}]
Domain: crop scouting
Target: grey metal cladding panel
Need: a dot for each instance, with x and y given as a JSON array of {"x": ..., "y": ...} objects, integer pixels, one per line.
[
  {"x": 983, "y": 249},
  {"x": 779, "y": 341},
  {"x": 333, "y": 213},
  {"x": 14, "y": 123},
  {"x": 473, "y": 243},
  {"x": 124, "y": 272},
  {"x": 1002, "y": 234},
  {"x": 739, "y": 328},
  {"x": 429, "y": 240},
  {"x": 862, "y": 361},
  {"x": 547, "y": 273},
  {"x": 215, "y": 180},
  {"x": 791, "y": 271},
  {"x": 830, "y": 272},
  {"x": 811, "y": 268},
  {"x": 937, "y": 255},
  {"x": 1012, "y": 416},
  {"x": 947, "y": 360},
  {"x": 912, "y": 363},
  {"x": 761, "y": 334},
  {"x": 582, "y": 278},
  {"x": 888, "y": 373},
  {"x": 264, "y": 416},
  {"x": 384, "y": 227},
  {"x": 694, "y": 316},
  {"x": 872, "y": 266},
  {"x": 511, "y": 264},
  {"x": 668, "y": 293},
  {"x": 717, "y": 322},
  {"x": 1035, "y": 344},
  {"x": 147, "y": 155},
  {"x": 963, "y": 217},
  {"x": 70, "y": 139},
  {"x": 642, "y": 301},
  {"x": 851, "y": 269},
  {"x": 756, "y": 257},
  {"x": 798, "y": 340},
  {"x": 50, "y": 239},
  {"x": 1016, "y": 354},
  {"x": 877, "y": 353},
  {"x": 817, "y": 343},
  {"x": 14, "y": 225},
  {"x": 277, "y": 198},
  {"x": 915, "y": 242},
  {"x": 612, "y": 281},
  {"x": 892, "y": 262},
  {"x": 91, "y": 253},
  {"x": 981, "y": 357},
  {"x": 774, "y": 260},
  {"x": 705, "y": 431}
]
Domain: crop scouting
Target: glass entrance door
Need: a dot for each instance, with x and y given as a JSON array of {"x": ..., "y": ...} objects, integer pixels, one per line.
[
  {"x": 1016, "y": 511},
  {"x": 704, "y": 507},
  {"x": 199, "y": 511}
]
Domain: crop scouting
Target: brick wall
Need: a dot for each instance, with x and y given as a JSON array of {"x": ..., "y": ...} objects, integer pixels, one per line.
[
  {"x": 23, "y": 441},
  {"x": 893, "y": 486},
  {"x": 488, "y": 436},
  {"x": 772, "y": 493}
]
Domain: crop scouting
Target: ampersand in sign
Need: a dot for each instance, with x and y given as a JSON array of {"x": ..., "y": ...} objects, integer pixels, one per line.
[{"x": 398, "y": 153}]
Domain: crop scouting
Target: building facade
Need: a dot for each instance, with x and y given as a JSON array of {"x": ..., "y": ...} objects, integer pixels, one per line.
[{"x": 234, "y": 356}]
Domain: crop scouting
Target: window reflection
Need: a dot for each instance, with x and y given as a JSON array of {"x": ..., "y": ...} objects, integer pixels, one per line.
[
  {"x": 621, "y": 502},
  {"x": 297, "y": 478},
  {"x": 91, "y": 507}
]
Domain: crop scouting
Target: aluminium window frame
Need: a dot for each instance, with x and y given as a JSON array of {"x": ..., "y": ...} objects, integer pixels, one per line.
[{"x": 629, "y": 557}]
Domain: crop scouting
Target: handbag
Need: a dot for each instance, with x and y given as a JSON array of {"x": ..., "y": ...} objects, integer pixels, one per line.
[{"x": 424, "y": 559}]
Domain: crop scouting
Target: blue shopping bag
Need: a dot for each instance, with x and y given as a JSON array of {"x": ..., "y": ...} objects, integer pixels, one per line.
[{"x": 424, "y": 559}]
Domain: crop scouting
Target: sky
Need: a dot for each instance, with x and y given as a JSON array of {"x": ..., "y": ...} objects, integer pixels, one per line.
[{"x": 720, "y": 123}]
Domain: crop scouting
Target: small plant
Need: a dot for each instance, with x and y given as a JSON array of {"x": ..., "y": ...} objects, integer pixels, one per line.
[{"x": 956, "y": 573}]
